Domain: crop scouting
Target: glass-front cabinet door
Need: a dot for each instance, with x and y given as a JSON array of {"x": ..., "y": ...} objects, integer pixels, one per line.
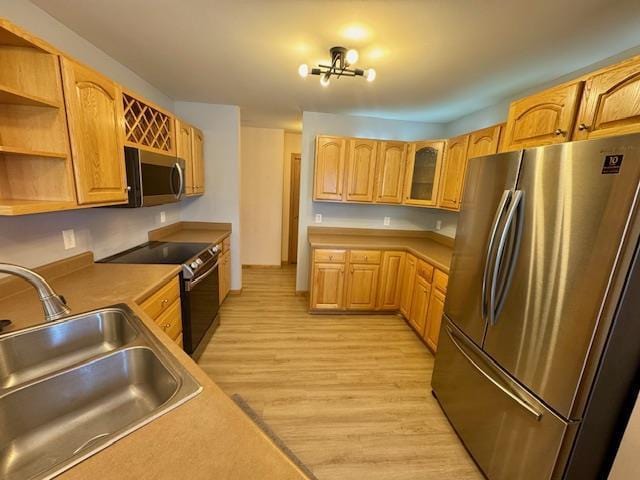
[{"x": 423, "y": 173}]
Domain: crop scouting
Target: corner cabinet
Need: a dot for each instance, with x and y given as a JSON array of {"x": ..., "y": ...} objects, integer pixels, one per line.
[
  {"x": 361, "y": 169},
  {"x": 329, "y": 168},
  {"x": 611, "y": 102},
  {"x": 423, "y": 173},
  {"x": 543, "y": 119},
  {"x": 392, "y": 163},
  {"x": 96, "y": 130},
  {"x": 455, "y": 163}
]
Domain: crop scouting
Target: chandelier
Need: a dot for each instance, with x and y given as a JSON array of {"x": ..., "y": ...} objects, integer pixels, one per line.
[{"x": 342, "y": 61}]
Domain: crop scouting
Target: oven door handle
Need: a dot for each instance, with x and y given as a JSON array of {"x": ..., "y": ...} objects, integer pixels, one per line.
[
  {"x": 181, "y": 176},
  {"x": 197, "y": 280}
]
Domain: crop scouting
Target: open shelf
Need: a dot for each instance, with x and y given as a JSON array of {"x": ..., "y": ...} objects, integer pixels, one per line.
[
  {"x": 31, "y": 153},
  {"x": 11, "y": 96},
  {"x": 22, "y": 207},
  {"x": 9, "y": 36}
]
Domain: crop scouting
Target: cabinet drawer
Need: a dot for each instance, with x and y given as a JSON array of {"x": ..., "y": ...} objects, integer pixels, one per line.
[
  {"x": 425, "y": 270},
  {"x": 440, "y": 280},
  {"x": 157, "y": 303},
  {"x": 365, "y": 256},
  {"x": 171, "y": 321},
  {"x": 329, "y": 256}
]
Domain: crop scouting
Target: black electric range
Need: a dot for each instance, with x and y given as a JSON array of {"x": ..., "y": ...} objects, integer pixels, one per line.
[{"x": 199, "y": 285}]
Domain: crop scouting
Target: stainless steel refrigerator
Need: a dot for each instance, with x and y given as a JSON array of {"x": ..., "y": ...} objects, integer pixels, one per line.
[{"x": 539, "y": 348}]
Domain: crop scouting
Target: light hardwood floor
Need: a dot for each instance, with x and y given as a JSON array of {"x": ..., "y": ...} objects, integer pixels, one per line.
[{"x": 350, "y": 395}]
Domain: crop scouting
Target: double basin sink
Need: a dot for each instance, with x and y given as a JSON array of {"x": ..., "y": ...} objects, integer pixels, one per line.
[{"x": 72, "y": 387}]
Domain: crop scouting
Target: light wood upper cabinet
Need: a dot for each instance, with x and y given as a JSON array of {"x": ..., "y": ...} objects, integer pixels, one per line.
[
  {"x": 197, "y": 139},
  {"x": 94, "y": 113},
  {"x": 484, "y": 142},
  {"x": 423, "y": 173},
  {"x": 408, "y": 279},
  {"x": 543, "y": 119},
  {"x": 391, "y": 277},
  {"x": 362, "y": 286},
  {"x": 361, "y": 170},
  {"x": 184, "y": 147},
  {"x": 434, "y": 318},
  {"x": 611, "y": 102},
  {"x": 455, "y": 163},
  {"x": 327, "y": 292},
  {"x": 420, "y": 304},
  {"x": 392, "y": 161},
  {"x": 329, "y": 168}
]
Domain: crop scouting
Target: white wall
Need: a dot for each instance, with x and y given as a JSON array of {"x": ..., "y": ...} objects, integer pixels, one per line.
[
  {"x": 353, "y": 215},
  {"x": 221, "y": 201},
  {"x": 292, "y": 144},
  {"x": 36, "y": 239},
  {"x": 262, "y": 159}
]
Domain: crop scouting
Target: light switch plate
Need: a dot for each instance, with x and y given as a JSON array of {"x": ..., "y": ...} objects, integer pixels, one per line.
[
  {"x": 163, "y": 217},
  {"x": 387, "y": 221},
  {"x": 318, "y": 218},
  {"x": 69, "y": 239}
]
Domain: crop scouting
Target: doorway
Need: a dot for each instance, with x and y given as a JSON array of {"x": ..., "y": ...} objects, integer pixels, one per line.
[{"x": 294, "y": 208}]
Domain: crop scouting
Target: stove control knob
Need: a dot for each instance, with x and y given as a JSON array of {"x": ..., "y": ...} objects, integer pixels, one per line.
[
  {"x": 199, "y": 261},
  {"x": 194, "y": 265}
]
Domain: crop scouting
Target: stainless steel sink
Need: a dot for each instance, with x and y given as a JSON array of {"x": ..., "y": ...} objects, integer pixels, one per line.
[{"x": 75, "y": 386}]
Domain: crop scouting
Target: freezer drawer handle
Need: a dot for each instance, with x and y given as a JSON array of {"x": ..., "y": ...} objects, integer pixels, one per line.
[
  {"x": 492, "y": 238},
  {"x": 504, "y": 389}
]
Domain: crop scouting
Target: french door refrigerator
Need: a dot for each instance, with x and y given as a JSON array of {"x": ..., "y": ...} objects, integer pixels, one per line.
[{"x": 539, "y": 350}]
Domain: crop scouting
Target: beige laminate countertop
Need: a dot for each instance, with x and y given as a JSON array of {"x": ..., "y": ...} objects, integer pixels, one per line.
[
  {"x": 426, "y": 247},
  {"x": 198, "y": 232},
  {"x": 208, "y": 437}
]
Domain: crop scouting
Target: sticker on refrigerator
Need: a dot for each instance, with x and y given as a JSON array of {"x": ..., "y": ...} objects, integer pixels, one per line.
[{"x": 612, "y": 164}]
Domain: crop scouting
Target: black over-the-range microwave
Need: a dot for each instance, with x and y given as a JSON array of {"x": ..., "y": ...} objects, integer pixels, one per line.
[{"x": 153, "y": 178}]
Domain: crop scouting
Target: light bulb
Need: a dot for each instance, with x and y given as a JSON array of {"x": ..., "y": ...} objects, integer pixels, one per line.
[
  {"x": 324, "y": 81},
  {"x": 303, "y": 70},
  {"x": 371, "y": 75},
  {"x": 352, "y": 56}
]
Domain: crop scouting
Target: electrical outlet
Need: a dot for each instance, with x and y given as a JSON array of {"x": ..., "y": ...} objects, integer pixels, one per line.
[
  {"x": 387, "y": 221},
  {"x": 318, "y": 218},
  {"x": 69, "y": 239},
  {"x": 163, "y": 217},
  {"x": 438, "y": 224}
]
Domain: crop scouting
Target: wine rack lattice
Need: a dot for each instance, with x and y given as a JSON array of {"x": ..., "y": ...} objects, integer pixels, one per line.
[{"x": 146, "y": 126}]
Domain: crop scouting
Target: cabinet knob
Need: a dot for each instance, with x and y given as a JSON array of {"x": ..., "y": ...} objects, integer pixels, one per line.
[
  {"x": 366, "y": 258},
  {"x": 583, "y": 127},
  {"x": 165, "y": 326},
  {"x": 164, "y": 302},
  {"x": 330, "y": 257},
  {"x": 559, "y": 132}
]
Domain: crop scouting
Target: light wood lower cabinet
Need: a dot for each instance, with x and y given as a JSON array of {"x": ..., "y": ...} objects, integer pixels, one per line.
[
  {"x": 224, "y": 275},
  {"x": 327, "y": 290},
  {"x": 434, "y": 318},
  {"x": 408, "y": 279},
  {"x": 164, "y": 307},
  {"x": 391, "y": 276},
  {"x": 362, "y": 286},
  {"x": 420, "y": 304}
]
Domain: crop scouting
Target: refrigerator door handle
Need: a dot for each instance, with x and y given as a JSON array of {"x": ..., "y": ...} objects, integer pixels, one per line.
[
  {"x": 506, "y": 390},
  {"x": 492, "y": 237},
  {"x": 513, "y": 208}
]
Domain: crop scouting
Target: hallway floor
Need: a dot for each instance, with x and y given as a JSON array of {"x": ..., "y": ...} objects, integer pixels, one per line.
[{"x": 350, "y": 395}]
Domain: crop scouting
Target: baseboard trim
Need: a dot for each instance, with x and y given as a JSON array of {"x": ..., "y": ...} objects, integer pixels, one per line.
[
  {"x": 235, "y": 292},
  {"x": 302, "y": 293},
  {"x": 263, "y": 267}
]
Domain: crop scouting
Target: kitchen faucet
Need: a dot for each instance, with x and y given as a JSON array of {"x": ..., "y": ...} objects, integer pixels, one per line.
[{"x": 53, "y": 304}]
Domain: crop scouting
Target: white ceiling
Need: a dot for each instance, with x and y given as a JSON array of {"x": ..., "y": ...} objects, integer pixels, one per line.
[{"x": 436, "y": 59}]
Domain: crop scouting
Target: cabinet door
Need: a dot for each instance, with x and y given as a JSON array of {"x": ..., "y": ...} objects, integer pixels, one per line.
[
  {"x": 434, "y": 319},
  {"x": 455, "y": 163},
  {"x": 420, "y": 304},
  {"x": 362, "y": 286},
  {"x": 484, "y": 142},
  {"x": 361, "y": 170},
  {"x": 391, "y": 278},
  {"x": 611, "y": 103},
  {"x": 96, "y": 130},
  {"x": 327, "y": 292},
  {"x": 543, "y": 119},
  {"x": 392, "y": 161},
  {"x": 184, "y": 148},
  {"x": 423, "y": 173},
  {"x": 329, "y": 173},
  {"x": 198, "y": 160},
  {"x": 224, "y": 276},
  {"x": 408, "y": 279}
]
